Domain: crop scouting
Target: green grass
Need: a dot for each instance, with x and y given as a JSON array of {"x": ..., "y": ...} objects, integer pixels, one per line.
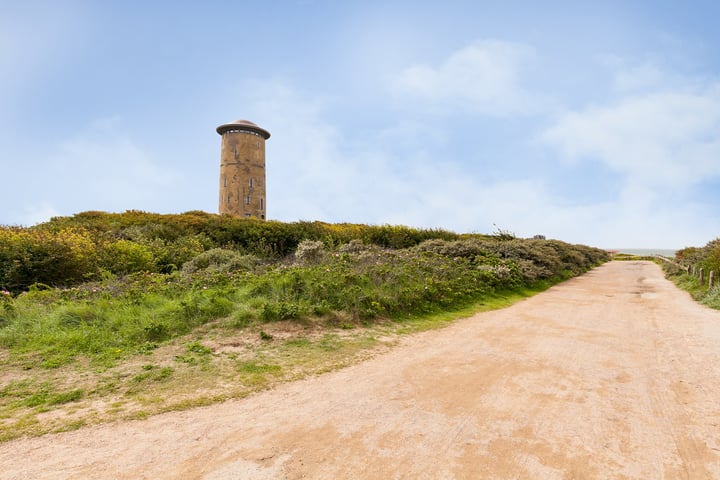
[
  {"x": 27, "y": 393},
  {"x": 696, "y": 259},
  {"x": 105, "y": 323},
  {"x": 186, "y": 373},
  {"x": 632, "y": 257},
  {"x": 712, "y": 298},
  {"x": 709, "y": 297},
  {"x": 141, "y": 344}
]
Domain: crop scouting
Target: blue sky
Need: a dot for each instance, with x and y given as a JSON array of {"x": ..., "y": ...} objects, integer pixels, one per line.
[{"x": 591, "y": 122}]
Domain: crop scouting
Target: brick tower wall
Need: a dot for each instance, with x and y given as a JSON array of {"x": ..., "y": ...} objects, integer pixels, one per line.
[{"x": 242, "y": 174}]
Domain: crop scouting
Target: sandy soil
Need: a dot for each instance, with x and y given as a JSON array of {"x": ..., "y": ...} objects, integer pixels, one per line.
[{"x": 615, "y": 374}]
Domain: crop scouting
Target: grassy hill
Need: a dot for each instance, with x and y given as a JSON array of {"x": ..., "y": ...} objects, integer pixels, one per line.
[{"x": 106, "y": 316}]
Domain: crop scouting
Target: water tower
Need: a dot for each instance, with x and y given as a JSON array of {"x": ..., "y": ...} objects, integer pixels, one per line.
[{"x": 242, "y": 169}]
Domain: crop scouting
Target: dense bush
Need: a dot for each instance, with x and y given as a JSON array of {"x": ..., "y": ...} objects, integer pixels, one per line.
[
  {"x": 694, "y": 259},
  {"x": 35, "y": 256},
  {"x": 534, "y": 259},
  {"x": 367, "y": 280},
  {"x": 124, "y": 256},
  {"x": 255, "y": 236},
  {"x": 310, "y": 251},
  {"x": 69, "y": 250},
  {"x": 707, "y": 257},
  {"x": 220, "y": 260},
  {"x": 336, "y": 277}
]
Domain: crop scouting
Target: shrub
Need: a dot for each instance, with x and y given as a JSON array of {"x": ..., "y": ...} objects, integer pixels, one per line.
[
  {"x": 171, "y": 256},
  {"x": 712, "y": 297},
  {"x": 353, "y": 246},
  {"x": 475, "y": 249},
  {"x": 310, "y": 252},
  {"x": 272, "y": 311},
  {"x": 707, "y": 258},
  {"x": 125, "y": 256},
  {"x": 127, "y": 314},
  {"x": 156, "y": 331},
  {"x": 33, "y": 255},
  {"x": 7, "y": 309},
  {"x": 220, "y": 260}
]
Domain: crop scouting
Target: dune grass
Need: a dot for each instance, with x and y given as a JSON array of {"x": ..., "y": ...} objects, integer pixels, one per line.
[{"x": 227, "y": 325}]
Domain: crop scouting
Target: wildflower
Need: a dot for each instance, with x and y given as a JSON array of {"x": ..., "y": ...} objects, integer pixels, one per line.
[{"x": 5, "y": 292}]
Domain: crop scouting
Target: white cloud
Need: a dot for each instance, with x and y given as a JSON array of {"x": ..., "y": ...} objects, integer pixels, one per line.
[
  {"x": 100, "y": 168},
  {"x": 305, "y": 167},
  {"x": 315, "y": 172},
  {"x": 667, "y": 138},
  {"x": 34, "y": 213},
  {"x": 661, "y": 134},
  {"x": 35, "y": 39},
  {"x": 482, "y": 78},
  {"x": 639, "y": 77},
  {"x": 107, "y": 169}
]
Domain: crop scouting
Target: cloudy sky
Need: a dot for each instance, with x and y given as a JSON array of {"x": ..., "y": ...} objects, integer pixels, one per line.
[{"x": 591, "y": 122}]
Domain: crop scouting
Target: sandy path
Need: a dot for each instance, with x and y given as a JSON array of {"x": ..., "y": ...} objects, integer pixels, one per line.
[{"x": 615, "y": 374}]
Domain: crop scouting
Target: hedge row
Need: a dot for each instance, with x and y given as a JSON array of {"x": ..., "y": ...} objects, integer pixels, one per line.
[
  {"x": 69, "y": 250},
  {"x": 88, "y": 246},
  {"x": 707, "y": 257}
]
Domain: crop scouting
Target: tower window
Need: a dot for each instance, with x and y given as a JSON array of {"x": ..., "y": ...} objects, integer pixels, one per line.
[
  {"x": 235, "y": 152},
  {"x": 251, "y": 182},
  {"x": 262, "y": 203},
  {"x": 224, "y": 181},
  {"x": 247, "y": 200}
]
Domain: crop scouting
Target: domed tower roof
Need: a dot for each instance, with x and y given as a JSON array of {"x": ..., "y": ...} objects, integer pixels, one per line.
[{"x": 243, "y": 125}]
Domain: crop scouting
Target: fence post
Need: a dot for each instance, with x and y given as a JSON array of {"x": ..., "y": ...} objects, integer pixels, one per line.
[
  {"x": 702, "y": 275},
  {"x": 712, "y": 279}
]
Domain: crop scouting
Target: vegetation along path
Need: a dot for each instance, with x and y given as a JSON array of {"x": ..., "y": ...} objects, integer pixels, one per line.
[{"x": 614, "y": 374}]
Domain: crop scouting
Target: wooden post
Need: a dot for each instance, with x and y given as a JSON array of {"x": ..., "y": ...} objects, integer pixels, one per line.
[
  {"x": 702, "y": 275},
  {"x": 712, "y": 279}
]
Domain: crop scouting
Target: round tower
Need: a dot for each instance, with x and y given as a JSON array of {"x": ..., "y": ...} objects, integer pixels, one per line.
[{"x": 242, "y": 169}]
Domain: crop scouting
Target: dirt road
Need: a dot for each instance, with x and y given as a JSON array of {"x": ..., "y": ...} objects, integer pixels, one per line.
[{"x": 615, "y": 374}]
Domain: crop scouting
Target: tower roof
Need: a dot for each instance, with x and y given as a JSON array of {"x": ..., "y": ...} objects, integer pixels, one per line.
[{"x": 243, "y": 125}]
